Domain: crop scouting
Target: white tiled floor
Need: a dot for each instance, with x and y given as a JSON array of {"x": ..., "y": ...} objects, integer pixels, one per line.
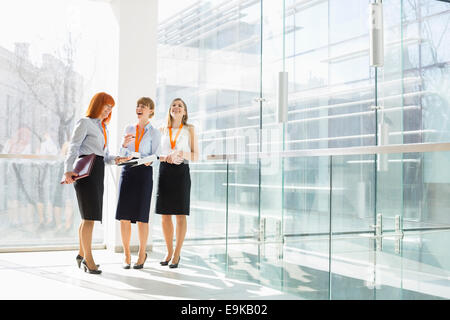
[{"x": 55, "y": 275}]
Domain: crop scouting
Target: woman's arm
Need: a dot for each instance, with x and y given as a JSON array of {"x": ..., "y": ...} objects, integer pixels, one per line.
[
  {"x": 156, "y": 142},
  {"x": 193, "y": 155},
  {"x": 155, "y": 145},
  {"x": 161, "y": 158},
  {"x": 128, "y": 137},
  {"x": 110, "y": 158},
  {"x": 79, "y": 133},
  {"x": 124, "y": 153}
]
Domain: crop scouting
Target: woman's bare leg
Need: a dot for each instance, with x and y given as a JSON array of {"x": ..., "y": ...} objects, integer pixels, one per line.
[
  {"x": 143, "y": 236},
  {"x": 125, "y": 230},
  {"x": 167, "y": 227},
  {"x": 80, "y": 252},
  {"x": 181, "y": 233},
  {"x": 87, "y": 227}
]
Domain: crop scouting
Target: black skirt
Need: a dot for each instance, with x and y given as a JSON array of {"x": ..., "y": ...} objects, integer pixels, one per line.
[
  {"x": 89, "y": 191},
  {"x": 174, "y": 189},
  {"x": 135, "y": 193}
]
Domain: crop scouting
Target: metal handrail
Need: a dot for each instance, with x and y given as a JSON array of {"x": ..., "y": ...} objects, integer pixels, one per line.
[
  {"x": 367, "y": 150},
  {"x": 30, "y": 156}
]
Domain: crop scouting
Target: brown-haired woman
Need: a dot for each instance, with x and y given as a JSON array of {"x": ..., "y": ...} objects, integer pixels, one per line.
[
  {"x": 90, "y": 136},
  {"x": 178, "y": 147},
  {"x": 136, "y": 183}
]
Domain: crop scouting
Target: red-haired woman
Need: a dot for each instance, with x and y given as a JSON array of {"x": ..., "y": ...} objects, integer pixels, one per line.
[{"x": 90, "y": 136}]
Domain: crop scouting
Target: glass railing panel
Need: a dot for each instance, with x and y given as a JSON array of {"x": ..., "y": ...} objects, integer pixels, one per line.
[
  {"x": 388, "y": 254},
  {"x": 413, "y": 264},
  {"x": 35, "y": 209},
  {"x": 352, "y": 265},
  {"x": 208, "y": 201},
  {"x": 306, "y": 198},
  {"x": 305, "y": 267},
  {"x": 426, "y": 264},
  {"x": 352, "y": 207},
  {"x": 435, "y": 177},
  {"x": 243, "y": 201},
  {"x": 281, "y": 256},
  {"x": 207, "y": 217},
  {"x": 389, "y": 185},
  {"x": 353, "y": 193},
  {"x": 420, "y": 270},
  {"x": 413, "y": 186},
  {"x": 306, "y": 227}
]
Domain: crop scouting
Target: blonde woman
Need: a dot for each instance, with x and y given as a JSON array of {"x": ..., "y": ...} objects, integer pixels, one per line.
[
  {"x": 136, "y": 183},
  {"x": 178, "y": 147}
]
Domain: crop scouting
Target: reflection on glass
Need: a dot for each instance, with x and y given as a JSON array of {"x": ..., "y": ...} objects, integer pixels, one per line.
[{"x": 46, "y": 80}]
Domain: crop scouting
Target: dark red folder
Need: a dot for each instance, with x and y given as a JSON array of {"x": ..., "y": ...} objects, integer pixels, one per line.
[{"x": 82, "y": 167}]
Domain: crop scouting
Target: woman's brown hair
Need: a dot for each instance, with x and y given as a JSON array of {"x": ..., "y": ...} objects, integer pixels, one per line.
[{"x": 147, "y": 102}]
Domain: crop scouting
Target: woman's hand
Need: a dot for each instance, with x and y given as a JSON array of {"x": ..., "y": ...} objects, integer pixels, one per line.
[
  {"x": 68, "y": 175},
  {"x": 177, "y": 157},
  {"x": 127, "y": 139},
  {"x": 168, "y": 159},
  {"x": 119, "y": 160},
  {"x": 148, "y": 163}
]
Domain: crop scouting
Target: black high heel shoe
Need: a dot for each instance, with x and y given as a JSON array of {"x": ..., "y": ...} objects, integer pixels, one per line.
[
  {"x": 126, "y": 265},
  {"x": 79, "y": 259},
  {"x": 140, "y": 266},
  {"x": 86, "y": 268},
  {"x": 175, "y": 265},
  {"x": 165, "y": 263}
]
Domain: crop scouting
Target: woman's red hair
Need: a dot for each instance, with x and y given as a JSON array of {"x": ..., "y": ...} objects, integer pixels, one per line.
[{"x": 98, "y": 101}]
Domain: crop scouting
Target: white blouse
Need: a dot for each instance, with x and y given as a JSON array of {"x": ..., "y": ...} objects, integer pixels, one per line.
[{"x": 183, "y": 142}]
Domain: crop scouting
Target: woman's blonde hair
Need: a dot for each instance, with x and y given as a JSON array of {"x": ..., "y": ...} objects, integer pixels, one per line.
[
  {"x": 147, "y": 102},
  {"x": 185, "y": 117}
]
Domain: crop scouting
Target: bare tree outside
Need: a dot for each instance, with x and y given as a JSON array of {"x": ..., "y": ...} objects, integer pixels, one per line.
[{"x": 55, "y": 87}]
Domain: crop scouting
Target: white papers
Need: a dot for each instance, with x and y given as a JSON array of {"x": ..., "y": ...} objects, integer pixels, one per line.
[{"x": 138, "y": 162}]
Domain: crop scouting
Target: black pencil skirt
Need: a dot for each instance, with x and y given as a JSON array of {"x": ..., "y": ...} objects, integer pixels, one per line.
[
  {"x": 174, "y": 189},
  {"x": 135, "y": 193},
  {"x": 89, "y": 192}
]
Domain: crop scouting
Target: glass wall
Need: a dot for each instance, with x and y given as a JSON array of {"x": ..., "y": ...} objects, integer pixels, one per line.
[
  {"x": 228, "y": 72},
  {"x": 226, "y": 67},
  {"x": 53, "y": 57}
]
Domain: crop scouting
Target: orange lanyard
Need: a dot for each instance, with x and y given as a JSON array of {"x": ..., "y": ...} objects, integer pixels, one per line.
[
  {"x": 138, "y": 139},
  {"x": 104, "y": 133},
  {"x": 174, "y": 142}
]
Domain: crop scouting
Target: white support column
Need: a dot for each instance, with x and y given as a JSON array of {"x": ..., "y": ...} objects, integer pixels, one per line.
[{"x": 138, "y": 23}]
